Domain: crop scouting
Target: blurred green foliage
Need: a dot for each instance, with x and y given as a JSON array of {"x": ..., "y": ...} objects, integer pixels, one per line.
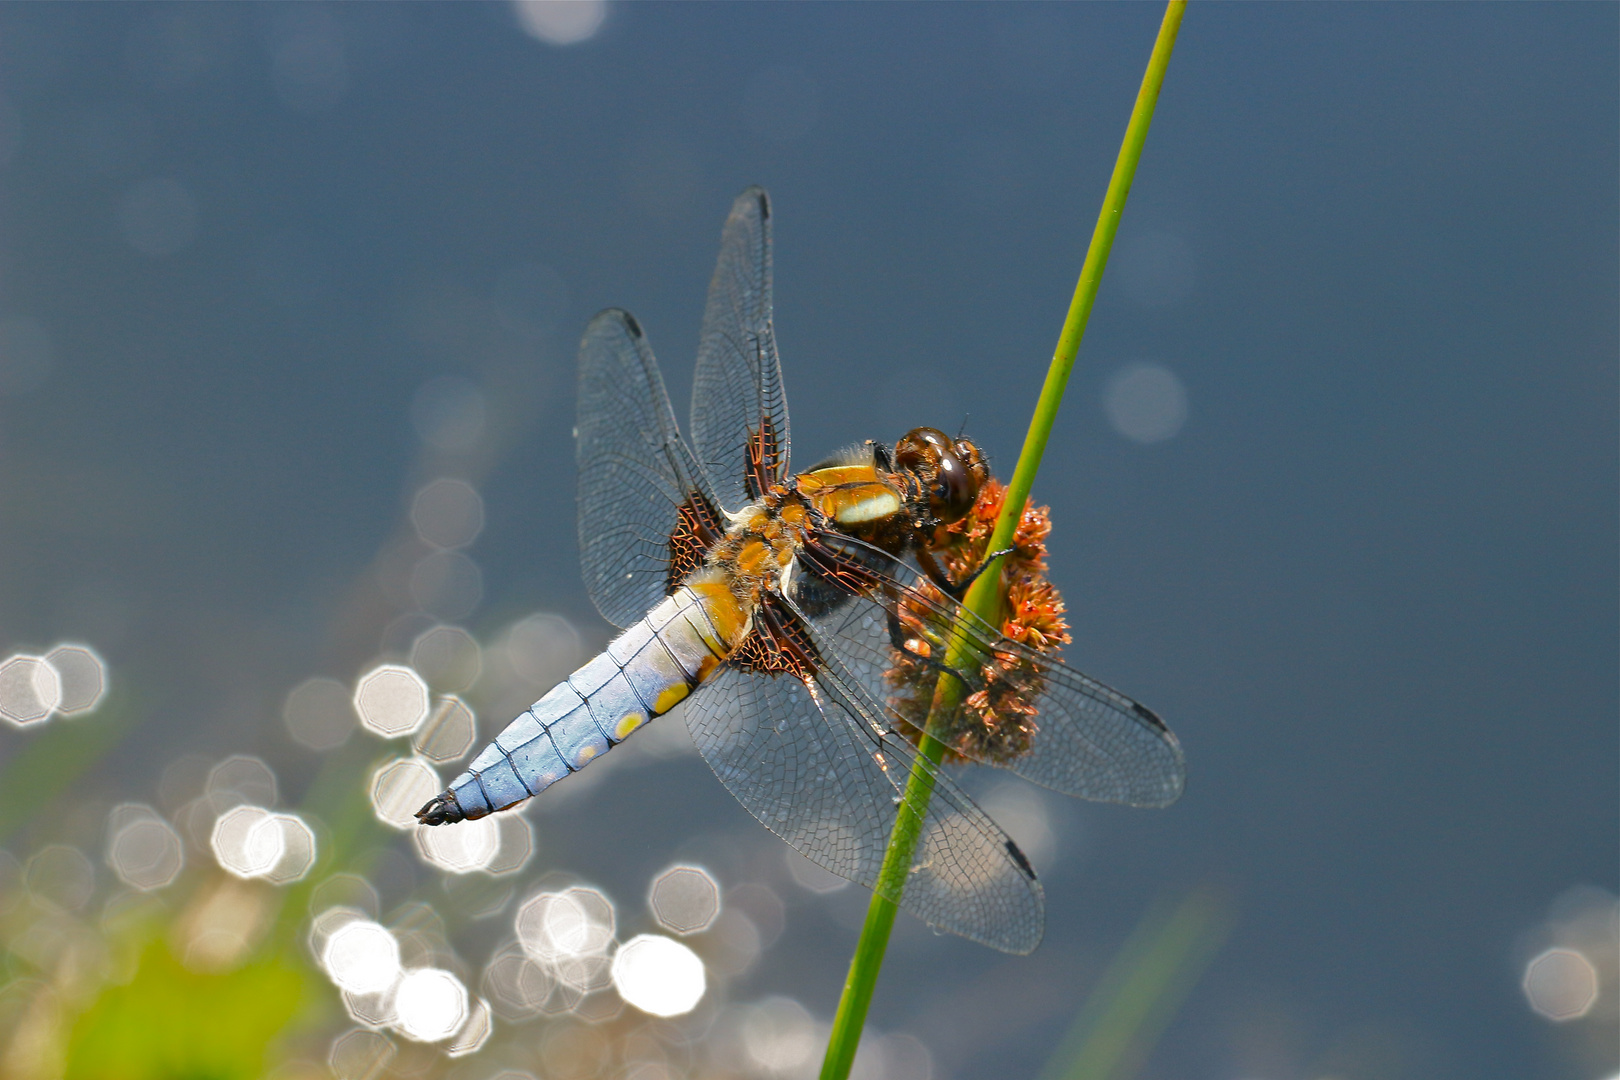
[{"x": 172, "y": 1023}]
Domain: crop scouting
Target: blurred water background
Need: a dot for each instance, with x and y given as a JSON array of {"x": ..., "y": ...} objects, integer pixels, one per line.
[{"x": 289, "y": 296}]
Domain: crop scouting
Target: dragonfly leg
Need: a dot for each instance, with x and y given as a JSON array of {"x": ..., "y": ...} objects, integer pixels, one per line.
[{"x": 955, "y": 590}]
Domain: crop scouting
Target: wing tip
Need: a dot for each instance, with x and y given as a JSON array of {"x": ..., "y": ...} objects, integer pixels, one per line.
[
  {"x": 616, "y": 317},
  {"x": 758, "y": 195}
]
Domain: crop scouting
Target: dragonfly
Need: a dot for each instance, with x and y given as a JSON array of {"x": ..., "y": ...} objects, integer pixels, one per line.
[{"x": 772, "y": 604}]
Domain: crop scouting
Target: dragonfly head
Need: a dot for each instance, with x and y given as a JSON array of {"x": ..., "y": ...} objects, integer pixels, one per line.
[{"x": 949, "y": 472}]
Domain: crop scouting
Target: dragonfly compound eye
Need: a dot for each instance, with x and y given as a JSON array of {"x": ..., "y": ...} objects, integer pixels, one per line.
[{"x": 951, "y": 481}]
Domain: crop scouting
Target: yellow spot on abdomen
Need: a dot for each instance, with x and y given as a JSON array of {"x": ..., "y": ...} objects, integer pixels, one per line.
[
  {"x": 671, "y": 697},
  {"x": 588, "y": 752},
  {"x": 628, "y": 723}
]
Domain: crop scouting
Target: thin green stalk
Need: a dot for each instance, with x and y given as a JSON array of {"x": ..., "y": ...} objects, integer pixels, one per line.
[
  {"x": 982, "y": 599},
  {"x": 1144, "y": 987}
]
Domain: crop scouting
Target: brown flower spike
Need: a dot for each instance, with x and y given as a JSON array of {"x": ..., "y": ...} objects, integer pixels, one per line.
[{"x": 997, "y": 722}]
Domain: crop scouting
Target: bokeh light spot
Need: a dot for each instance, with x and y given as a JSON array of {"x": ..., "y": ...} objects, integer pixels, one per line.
[
  {"x": 142, "y": 848},
  {"x": 358, "y": 1054},
  {"x": 60, "y": 876},
  {"x": 83, "y": 677},
  {"x": 1146, "y": 403},
  {"x": 1019, "y": 809},
  {"x": 517, "y": 844},
  {"x": 297, "y": 842},
  {"x": 319, "y": 714},
  {"x": 240, "y": 779},
  {"x": 391, "y": 701},
  {"x": 400, "y": 788},
  {"x": 474, "y": 1033},
  {"x": 247, "y": 841},
  {"x": 448, "y": 513},
  {"x": 811, "y": 876},
  {"x": 560, "y": 22},
  {"x": 1561, "y": 984},
  {"x": 448, "y": 733},
  {"x": 362, "y": 957},
  {"x": 779, "y": 1036},
  {"x": 685, "y": 899},
  {"x": 30, "y": 690},
  {"x": 448, "y": 657},
  {"x": 576, "y": 922},
  {"x": 542, "y": 648},
  {"x": 374, "y": 1010},
  {"x": 518, "y": 985},
  {"x": 462, "y": 848},
  {"x": 431, "y": 1004},
  {"x": 659, "y": 975}
]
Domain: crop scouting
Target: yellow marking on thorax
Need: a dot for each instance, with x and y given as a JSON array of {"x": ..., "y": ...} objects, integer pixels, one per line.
[
  {"x": 751, "y": 557},
  {"x": 836, "y": 476},
  {"x": 850, "y": 494},
  {"x": 858, "y": 503}
]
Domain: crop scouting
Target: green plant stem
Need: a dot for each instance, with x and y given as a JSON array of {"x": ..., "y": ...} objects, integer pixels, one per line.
[
  {"x": 983, "y": 598},
  {"x": 1143, "y": 988}
]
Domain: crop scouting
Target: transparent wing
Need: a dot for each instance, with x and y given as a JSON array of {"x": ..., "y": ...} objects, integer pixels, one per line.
[
  {"x": 643, "y": 502},
  {"x": 819, "y": 770},
  {"x": 739, "y": 411},
  {"x": 1083, "y": 738}
]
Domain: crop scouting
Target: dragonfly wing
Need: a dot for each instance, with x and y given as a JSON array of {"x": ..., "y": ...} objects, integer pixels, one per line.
[
  {"x": 644, "y": 504},
  {"x": 739, "y": 410},
  {"x": 1089, "y": 740},
  {"x": 819, "y": 771}
]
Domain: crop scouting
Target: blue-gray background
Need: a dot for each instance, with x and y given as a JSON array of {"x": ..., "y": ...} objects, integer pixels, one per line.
[{"x": 1371, "y": 581}]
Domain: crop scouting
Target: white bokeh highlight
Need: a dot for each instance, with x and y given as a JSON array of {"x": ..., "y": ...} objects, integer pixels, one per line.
[
  {"x": 1561, "y": 984},
  {"x": 252, "y": 842},
  {"x": 391, "y": 700},
  {"x": 449, "y": 732},
  {"x": 83, "y": 677},
  {"x": 659, "y": 975},
  {"x": 400, "y": 788},
  {"x": 30, "y": 690},
  {"x": 362, "y": 957},
  {"x": 462, "y": 849},
  {"x": 430, "y": 1004}
]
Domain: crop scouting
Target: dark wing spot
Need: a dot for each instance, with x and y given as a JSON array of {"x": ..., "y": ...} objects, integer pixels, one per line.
[
  {"x": 764, "y": 203},
  {"x": 1150, "y": 716},
  {"x": 1023, "y": 863},
  {"x": 635, "y": 327}
]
